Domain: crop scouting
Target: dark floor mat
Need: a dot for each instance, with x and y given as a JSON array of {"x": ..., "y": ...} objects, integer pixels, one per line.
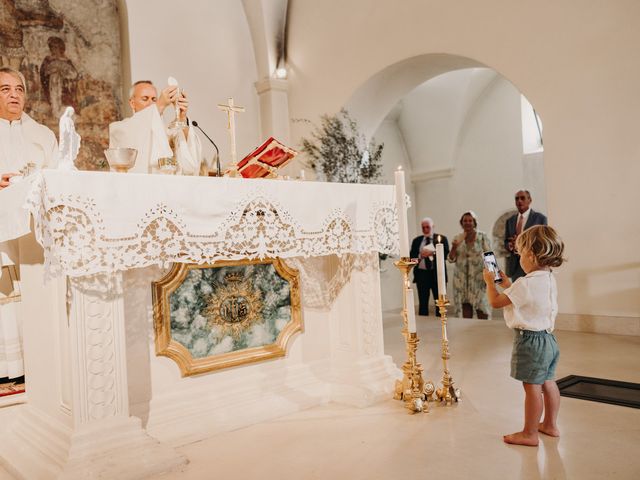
[{"x": 600, "y": 390}]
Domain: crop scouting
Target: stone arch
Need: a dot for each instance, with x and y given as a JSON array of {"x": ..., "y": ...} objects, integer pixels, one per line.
[
  {"x": 395, "y": 81},
  {"x": 372, "y": 102}
]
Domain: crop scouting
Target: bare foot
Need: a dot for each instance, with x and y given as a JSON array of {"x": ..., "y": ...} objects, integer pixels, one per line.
[
  {"x": 521, "y": 438},
  {"x": 551, "y": 431}
]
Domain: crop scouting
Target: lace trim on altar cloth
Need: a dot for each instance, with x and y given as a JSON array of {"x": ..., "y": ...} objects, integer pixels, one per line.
[{"x": 76, "y": 242}]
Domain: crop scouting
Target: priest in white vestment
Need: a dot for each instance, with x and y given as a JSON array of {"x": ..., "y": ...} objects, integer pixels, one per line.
[
  {"x": 146, "y": 132},
  {"x": 22, "y": 141}
]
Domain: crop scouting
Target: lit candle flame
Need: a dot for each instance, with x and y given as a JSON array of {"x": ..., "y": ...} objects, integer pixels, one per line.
[{"x": 439, "y": 240}]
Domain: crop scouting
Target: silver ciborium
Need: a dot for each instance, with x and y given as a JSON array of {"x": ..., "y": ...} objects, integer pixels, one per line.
[{"x": 121, "y": 159}]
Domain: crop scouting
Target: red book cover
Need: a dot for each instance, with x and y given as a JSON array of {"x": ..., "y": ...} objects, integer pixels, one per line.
[{"x": 265, "y": 160}]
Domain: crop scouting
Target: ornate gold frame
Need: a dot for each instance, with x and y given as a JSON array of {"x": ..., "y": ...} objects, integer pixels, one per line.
[{"x": 188, "y": 365}]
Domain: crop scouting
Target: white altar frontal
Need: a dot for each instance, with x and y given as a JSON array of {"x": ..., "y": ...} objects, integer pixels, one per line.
[{"x": 100, "y": 402}]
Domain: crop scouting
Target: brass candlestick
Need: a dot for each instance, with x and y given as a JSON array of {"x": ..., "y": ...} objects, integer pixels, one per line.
[
  {"x": 412, "y": 388},
  {"x": 447, "y": 393}
]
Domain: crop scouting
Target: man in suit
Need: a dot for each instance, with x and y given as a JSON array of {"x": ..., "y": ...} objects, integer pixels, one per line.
[
  {"x": 425, "y": 274},
  {"x": 515, "y": 225}
]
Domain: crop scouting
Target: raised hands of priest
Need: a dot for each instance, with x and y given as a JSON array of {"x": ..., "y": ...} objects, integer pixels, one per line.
[
  {"x": 167, "y": 97},
  {"x": 4, "y": 179},
  {"x": 183, "y": 106}
]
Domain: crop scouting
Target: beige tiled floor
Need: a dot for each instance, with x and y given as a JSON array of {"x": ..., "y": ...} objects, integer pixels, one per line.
[{"x": 464, "y": 441}]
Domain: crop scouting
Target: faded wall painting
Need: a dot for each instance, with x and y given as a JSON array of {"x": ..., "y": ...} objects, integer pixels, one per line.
[{"x": 69, "y": 53}]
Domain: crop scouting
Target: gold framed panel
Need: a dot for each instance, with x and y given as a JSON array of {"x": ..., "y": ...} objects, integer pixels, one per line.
[{"x": 189, "y": 365}]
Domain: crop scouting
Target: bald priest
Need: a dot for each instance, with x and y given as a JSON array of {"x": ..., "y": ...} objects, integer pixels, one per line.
[{"x": 145, "y": 131}]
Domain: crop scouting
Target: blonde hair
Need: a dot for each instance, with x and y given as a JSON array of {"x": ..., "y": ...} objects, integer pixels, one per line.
[{"x": 544, "y": 244}]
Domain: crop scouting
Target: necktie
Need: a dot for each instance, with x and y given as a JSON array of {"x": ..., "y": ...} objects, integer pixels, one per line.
[{"x": 519, "y": 225}]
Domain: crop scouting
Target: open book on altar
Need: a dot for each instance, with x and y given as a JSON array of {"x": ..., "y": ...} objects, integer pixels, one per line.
[{"x": 265, "y": 160}]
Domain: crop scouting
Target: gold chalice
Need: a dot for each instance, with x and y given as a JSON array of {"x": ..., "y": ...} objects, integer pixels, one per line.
[{"x": 121, "y": 159}]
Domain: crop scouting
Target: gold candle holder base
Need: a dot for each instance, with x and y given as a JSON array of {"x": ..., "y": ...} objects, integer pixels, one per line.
[
  {"x": 447, "y": 394},
  {"x": 415, "y": 392}
]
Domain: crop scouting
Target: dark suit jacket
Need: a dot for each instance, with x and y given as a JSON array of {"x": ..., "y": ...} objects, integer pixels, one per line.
[
  {"x": 415, "y": 253},
  {"x": 513, "y": 260}
]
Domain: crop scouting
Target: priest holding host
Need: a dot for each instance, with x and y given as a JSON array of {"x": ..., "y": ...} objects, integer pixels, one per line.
[
  {"x": 24, "y": 144},
  {"x": 145, "y": 130},
  {"x": 515, "y": 225}
]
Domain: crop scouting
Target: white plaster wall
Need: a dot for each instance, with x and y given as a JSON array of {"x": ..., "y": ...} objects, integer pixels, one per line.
[
  {"x": 431, "y": 119},
  {"x": 575, "y": 61},
  {"x": 207, "y": 47},
  {"x": 471, "y": 126},
  {"x": 487, "y": 164}
]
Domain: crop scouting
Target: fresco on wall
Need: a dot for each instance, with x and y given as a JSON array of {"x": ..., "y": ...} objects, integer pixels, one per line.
[{"x": 69, "y": 53}]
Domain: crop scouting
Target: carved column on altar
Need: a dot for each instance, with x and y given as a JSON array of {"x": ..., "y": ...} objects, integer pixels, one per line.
[
  {"x": 76, "y": 423},
  {"x": 360, "y": 371},
  {"x": 274, "y": 108}
]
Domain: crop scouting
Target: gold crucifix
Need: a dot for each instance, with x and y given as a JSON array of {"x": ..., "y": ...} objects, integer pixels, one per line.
[{"x": 231, "y": 110}]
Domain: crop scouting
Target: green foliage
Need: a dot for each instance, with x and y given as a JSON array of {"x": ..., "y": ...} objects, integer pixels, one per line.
[{"x": 339, "y": 153}]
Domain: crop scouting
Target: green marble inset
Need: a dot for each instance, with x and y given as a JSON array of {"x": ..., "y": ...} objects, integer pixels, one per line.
[{"x": 188, "y": 306}]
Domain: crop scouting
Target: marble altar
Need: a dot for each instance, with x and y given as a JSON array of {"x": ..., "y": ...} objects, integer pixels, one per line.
[{"x": 99, "y": 400}]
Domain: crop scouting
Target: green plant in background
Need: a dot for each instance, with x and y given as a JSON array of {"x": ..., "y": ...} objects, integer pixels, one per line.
[{"x": 338, "y": 152}]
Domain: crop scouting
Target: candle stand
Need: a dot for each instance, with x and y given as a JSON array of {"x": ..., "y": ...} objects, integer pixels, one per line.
[
  {"x": 447, "y": 394},
  {"x": 412, "y": 388}
]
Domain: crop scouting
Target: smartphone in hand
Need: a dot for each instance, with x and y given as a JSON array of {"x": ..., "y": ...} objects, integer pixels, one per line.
[{"x": 492, "y": 265}]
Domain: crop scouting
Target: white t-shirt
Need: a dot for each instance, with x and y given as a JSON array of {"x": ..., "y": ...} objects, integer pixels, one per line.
[{"x": 534, "y": 302}]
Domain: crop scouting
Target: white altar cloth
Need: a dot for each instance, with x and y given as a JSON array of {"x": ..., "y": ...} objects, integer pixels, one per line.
[{"x": 93, "y": 222}]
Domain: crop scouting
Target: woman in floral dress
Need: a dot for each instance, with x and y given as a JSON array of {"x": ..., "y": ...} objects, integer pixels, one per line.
[{"x": 466, "y": 252}]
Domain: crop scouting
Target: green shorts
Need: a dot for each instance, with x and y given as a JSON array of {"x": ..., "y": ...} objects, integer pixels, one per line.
[{"x": 534, "y": 357}]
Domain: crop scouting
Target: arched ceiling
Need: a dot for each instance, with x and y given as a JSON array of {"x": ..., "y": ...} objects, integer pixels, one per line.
[{"x": 373, "y": 100}]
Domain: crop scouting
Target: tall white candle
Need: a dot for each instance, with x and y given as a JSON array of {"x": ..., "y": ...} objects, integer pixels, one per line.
[
  {"x": 401, "y": 206},
  {"x": 442, "y": 281},
  {"x": 411, "y": 311}
]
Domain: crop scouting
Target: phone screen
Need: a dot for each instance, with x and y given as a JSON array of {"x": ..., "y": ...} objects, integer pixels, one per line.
[{"x": 492, "y": 265}]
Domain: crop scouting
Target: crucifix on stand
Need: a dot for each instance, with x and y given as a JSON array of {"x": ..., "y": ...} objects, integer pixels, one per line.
[{"x": 231, "y": 110}]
